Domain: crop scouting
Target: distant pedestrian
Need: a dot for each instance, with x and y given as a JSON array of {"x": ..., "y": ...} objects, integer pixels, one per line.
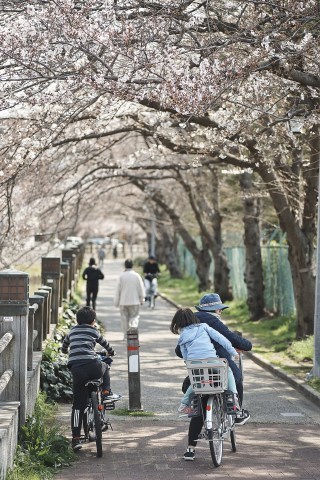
[
  {"x": 92, "y": 275},
  {"x": 129, "y": 296},
  {"x": 115, "y": 252},
  {"x": 101, "y": 256}
]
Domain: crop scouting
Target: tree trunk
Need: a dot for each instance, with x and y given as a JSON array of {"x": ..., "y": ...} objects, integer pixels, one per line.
[
  {"x": 210, "y": 230},
  {"x": 201, "y": 256},
  {"x": 203, "y": 263},
  {"x": 221, "y": 280},
  {"x": 253, "y": 268},
  {"x": 300, "y": 229},
  {"x": 167, "y": 248},
  {"x": 303, "y": 286}
]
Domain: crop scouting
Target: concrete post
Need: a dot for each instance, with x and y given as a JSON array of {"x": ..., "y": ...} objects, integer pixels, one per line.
[
  {"x": 50, "y": 273},
  {"x": 61, "y": 290},
  {"x": 48, "y": 289},
  {"x": 14, "y": 307},
  {"x": 46, "y": 316},
  {"x": 68, "y": 255},
  {"x": 134, "y": 370},
  {"x": 38, "y": 325},
  {"x": 32, "y": 310},
  {"x": 65, "y": 269},
  {"x": 76, "y": 251}
]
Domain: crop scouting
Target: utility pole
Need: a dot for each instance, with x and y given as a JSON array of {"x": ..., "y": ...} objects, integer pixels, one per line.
[
  {"x": 153, "y": 236},
  {"x": 316, "y": 361},
  {"x": 131, "y": 239}
]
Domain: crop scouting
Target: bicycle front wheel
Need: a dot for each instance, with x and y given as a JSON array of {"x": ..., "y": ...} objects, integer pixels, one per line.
[
  {"x": 214, "y": 428},
  {"x": 152, "y": 301},
  {"x": 96, "y": 427}
]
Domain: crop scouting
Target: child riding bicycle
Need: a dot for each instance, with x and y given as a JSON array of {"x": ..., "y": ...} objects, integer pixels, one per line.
[
  {"x": 85, "y": 364},
  {"x": 195, "y": 342}
]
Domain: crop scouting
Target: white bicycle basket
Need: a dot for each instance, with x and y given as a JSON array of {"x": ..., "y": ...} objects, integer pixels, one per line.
[{"x": 208, "y": 375}]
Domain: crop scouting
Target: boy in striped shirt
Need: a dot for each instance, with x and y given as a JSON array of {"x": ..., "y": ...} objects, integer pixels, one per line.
[{"x": 85, "y": 364}]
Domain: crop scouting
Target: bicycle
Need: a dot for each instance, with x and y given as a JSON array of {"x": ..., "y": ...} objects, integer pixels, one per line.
[
  {"x": 209, "y": 379},
  {"x": 96, "y": 419},
  {"x": 152, "y": 289}
]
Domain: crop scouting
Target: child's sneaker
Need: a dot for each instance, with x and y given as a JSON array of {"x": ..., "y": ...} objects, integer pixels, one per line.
[
  {"x": 242, "y": 417},
  {"x": 76, "y": 444},
  {"x": 108, "y": 396},
  {"x": 189, "y": 454}
]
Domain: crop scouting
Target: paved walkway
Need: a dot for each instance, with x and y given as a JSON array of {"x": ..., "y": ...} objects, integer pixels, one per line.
[{"x": 281, "y": 441}]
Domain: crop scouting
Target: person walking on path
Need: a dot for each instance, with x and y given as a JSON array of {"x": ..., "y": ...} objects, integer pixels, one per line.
[
  {"x": 101, "y": 256},
  {"x": 92, "y": 275},
  {"x": 129, "y": 296}
]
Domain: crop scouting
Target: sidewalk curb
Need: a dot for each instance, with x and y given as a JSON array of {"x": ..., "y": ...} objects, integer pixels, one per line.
[{"x": 296, "y": 383}]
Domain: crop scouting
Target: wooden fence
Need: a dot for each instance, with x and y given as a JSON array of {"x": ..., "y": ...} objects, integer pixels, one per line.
[{"x": 26, "y": 321}]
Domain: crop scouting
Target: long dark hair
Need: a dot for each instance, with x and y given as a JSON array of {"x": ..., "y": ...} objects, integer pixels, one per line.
[{"x": 182, "y": 318}]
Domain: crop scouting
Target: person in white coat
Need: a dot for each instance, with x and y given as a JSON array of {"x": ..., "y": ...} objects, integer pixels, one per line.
[{"x": 130, "y": 294}]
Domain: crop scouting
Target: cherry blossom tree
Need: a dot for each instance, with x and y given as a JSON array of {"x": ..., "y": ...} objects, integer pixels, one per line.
[{"x": 234, "y": 71}]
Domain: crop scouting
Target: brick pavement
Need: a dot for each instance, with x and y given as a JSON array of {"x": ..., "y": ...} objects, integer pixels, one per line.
[
  {"x": 281, "y": 441},
  {"x": 144, "y": 449}
]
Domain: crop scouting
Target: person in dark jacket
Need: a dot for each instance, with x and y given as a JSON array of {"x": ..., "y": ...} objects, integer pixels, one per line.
[
  {"x": 209, "y": 311},
  {"x": 92, "y": 275}
]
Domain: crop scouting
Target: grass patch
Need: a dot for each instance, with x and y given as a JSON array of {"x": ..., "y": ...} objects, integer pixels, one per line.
[
  {"x": 315, "y": 383},
  {"x": 182, "y": 291},
  {"x": 302, "y": 350},
  {"x": 272, "y": 337},
  {"x": 77, "y": 295},
  {"x": 124, "y": 412},
  {"x": 42, "y": 447},
  {"x": 275, "y": 334}
]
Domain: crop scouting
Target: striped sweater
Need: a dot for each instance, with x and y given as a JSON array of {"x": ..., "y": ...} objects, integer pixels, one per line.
[{"x": 81, "y": 341}]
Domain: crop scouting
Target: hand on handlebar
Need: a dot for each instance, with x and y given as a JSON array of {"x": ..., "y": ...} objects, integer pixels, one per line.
[{"x": 107, "y": 353}]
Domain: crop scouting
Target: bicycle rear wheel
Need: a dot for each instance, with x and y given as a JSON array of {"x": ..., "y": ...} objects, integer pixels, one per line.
[
  {"x": 233, "y": 439},
  {"x": 215, "y": 430},
  {"x": 95, "y": 421},
  {"x": 233, "y": 436}
]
